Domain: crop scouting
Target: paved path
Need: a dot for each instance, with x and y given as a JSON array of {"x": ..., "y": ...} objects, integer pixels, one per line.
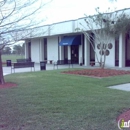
[
  {"x": 124, "y": 87},
  {"x": 7, "y": 70}
]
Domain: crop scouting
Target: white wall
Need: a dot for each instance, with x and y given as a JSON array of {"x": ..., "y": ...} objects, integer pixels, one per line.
[
  {"x": 52, "y": 48},
  {"x": 35, "y": 50},
  {"x": 110, "y": 59},
  {"x": 61, "y": 28}
]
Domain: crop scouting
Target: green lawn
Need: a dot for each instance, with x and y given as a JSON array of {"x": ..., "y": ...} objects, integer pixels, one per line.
[
  {"x": 11, "y": 57},
  {"x": 50, "y": 100}
]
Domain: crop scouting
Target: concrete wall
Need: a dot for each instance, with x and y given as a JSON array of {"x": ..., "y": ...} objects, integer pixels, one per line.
[
  {"x": 110, "y": 59},
  {"x": 62, "y": 28}
]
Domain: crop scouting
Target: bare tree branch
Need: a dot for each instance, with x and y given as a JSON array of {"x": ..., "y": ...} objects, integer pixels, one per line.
[{"x": 16, "y": 17}]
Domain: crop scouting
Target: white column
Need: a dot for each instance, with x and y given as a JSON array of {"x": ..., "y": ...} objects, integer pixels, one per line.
[
  {"x": 122, "y": 50},
  {"x": 41, "y": 49},
  {"x": 81, "y": 51},
  {"x": 69, "y": 52},
  {"x": 61, "y": 51},
  {"x": 80, "y": 54},
  {"x": 86, "y": 52}
]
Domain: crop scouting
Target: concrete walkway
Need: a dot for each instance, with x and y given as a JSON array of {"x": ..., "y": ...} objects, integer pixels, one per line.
[
  {"x": 7, "y": 70},
  {"x": 124, "y": 87}
]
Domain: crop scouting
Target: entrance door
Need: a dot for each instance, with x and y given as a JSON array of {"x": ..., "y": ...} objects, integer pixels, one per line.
[
  {"x": 75, "y": 54},
  {"x": 65, "y": 52}
]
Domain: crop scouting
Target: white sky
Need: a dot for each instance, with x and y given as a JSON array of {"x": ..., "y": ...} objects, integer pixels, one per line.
[{"x": 63, "y": 10}]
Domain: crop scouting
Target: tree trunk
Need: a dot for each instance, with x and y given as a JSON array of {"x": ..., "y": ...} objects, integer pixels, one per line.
[
  {"x": 2, "y": 81},
  {"x": 104, "y": 58}
]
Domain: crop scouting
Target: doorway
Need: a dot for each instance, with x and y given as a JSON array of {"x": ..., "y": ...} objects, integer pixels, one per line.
[
  {"x": 65, "y": 53},
  {"x": 75, "y": 54}
]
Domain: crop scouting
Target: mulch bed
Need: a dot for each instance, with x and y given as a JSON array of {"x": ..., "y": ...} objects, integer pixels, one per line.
[
  {"x": 100, "y": 73},
  {"x": 8, "y": 85}
]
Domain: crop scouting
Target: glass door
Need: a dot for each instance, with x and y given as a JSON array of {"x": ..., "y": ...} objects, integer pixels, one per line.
[{"x": 75, "y": 54}]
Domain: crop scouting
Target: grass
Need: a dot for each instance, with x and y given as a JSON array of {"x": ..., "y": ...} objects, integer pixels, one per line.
[
  {"x": 50, "y": 100},
  {"x": 11, "y": 57}
]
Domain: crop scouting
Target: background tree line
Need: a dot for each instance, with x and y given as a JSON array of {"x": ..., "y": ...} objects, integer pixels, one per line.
[{"x": 17, "y": 49}]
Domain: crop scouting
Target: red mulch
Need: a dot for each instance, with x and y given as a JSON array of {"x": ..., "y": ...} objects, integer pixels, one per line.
[
  {"x": 8, "y": 85},
  {"x": 100, "y": 73}
]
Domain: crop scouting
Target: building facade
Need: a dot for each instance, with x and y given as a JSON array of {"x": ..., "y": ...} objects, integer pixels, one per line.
[{"x": 61, "y": 41}]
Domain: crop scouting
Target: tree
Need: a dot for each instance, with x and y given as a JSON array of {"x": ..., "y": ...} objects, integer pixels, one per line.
[
  {"x": 104, "y": 26},
  {"x": 122, "y": 24},
  {"x": 15, "y": 16},
  {"x": 17, "y": 49},
  {"x": 6, "y": 50}
]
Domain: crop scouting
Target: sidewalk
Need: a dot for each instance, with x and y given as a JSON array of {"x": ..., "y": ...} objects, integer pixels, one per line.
[{"x": 7, "y": 70}]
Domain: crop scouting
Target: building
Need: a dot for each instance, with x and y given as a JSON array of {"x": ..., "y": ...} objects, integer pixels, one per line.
[{"x": 61, "y": 41}]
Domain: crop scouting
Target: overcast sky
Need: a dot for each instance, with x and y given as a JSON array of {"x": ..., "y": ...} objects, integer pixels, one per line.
[{"x": 62, "y": 10}]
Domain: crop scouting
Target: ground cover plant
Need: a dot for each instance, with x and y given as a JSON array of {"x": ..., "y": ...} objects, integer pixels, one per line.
[{"x": 51, "y": 100}]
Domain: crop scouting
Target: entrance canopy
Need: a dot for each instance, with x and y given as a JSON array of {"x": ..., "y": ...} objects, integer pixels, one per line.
[{"x": 70, "y": 40}]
